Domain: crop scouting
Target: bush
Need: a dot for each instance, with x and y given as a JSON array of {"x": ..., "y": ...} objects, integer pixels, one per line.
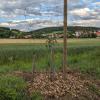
[
  {"x": 12, "y": 88},
  {"x": 92, "y": 35}
]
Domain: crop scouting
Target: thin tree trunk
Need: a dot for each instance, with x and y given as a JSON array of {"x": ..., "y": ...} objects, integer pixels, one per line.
[
  {"x": 52, "y": 64},
  {"x": 33, "y": 66}
]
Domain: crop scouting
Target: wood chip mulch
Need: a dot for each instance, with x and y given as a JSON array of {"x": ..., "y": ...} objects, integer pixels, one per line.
[{"x": 76, "y": 85}]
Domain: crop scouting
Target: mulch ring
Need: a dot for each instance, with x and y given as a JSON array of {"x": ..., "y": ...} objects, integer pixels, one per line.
[{"x": 75, "y": 85}]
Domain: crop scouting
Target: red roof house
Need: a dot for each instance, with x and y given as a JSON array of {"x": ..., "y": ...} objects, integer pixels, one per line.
[{"x": 98, "y": 33}]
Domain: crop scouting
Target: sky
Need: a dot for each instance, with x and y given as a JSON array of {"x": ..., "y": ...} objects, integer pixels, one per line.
[{"x": 29, "y": 15}]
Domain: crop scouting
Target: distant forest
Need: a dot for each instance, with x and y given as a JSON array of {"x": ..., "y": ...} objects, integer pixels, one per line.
[{"x": 41, "y": 33}]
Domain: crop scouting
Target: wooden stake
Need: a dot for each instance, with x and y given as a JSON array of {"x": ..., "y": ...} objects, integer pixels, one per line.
[
  {"x": 52, "y": 63},
  {"x": 33, "y": 66},
  {"x": 65, "y": 38}
]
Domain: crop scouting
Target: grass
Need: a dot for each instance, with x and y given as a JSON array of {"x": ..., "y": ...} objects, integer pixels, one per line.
[
  {"x": 12, "y": 88},
  {"x": 83, "y": 55},
  {"x": 16, "y": 57},
  {"x": 87, "y": 62}
]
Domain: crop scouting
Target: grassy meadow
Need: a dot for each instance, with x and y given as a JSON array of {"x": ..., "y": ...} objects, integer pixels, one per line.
[{"x": 83, "y": 56}]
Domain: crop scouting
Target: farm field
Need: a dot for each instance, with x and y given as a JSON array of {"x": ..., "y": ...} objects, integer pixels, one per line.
[
  {"x": 17, "y": 55},
  {"x": 41, "y": 41}
]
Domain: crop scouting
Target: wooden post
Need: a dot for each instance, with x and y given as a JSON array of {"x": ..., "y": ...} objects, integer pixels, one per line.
[
  {"x": 33, "y": 66},
  {"x": 52, "y": 63},
  {"x": 65, "y": 38}
]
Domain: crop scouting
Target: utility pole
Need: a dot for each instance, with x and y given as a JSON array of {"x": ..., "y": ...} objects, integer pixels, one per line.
[{"x": 65, "y": 39}]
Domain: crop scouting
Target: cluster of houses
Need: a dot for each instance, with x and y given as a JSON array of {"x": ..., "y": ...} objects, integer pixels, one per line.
[
  {"x": 22, "y": 37},
  {"x": 77, "y": 34}
]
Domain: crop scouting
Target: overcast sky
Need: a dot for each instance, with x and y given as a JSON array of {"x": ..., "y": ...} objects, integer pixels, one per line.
[{"x": 33, "y": 14}]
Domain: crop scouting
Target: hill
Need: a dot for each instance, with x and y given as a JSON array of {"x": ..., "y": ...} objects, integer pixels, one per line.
[
  {"x": 40, "y": 33},
  {"x": 14, "y": 33},
  {"x": 6, "y": 32},
  {"x": 70, "y": 28}
]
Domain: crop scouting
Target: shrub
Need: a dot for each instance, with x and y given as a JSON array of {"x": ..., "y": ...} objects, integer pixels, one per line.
[{"x": 12, "y": 88}]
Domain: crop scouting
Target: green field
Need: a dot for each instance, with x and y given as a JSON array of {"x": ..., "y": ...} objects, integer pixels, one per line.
[{"x": 83, "y": 56}]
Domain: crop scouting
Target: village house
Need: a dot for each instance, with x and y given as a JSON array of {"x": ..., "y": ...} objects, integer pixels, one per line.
[
  {"x": 12, "y": 37},
  {"x": 79, "y": 33},
  {"x": 27, "y": 36},
  {"x": 98, "y": 34},
  {"x": 56, "y": 35}
]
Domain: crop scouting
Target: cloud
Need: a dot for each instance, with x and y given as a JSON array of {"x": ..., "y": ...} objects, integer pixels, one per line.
[
  {"x": 90, "y": 22},
  {"x": 97, "y": 3},
  {"x": 42, "y": 13},
  {"x": 81, "y": 12},
  {"x": 31, "y": 24},
  {"x": 13, "y": 8}
]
